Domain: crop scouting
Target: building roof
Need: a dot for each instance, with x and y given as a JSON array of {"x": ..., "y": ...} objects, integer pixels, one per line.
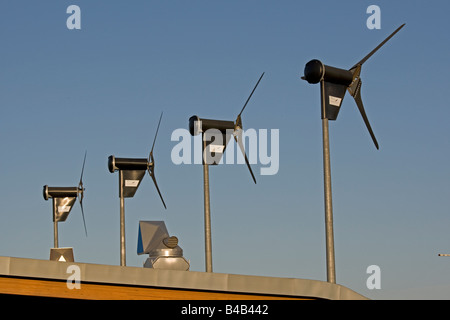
[{"x": 187, "y": 281}]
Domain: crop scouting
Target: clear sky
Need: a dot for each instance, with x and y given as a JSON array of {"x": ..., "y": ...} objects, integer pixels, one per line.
[{"x": 103, "y": 87}]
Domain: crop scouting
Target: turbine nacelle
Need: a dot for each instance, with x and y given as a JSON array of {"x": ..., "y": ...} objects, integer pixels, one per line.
[
  {"x": 60, "y": 192},
  {"x": 198, "y": 125},
  {"x": 315, "y": 71},
  {"x": 116, "y": 164}
]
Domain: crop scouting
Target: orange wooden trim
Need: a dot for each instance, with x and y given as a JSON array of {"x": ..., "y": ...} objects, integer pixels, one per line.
[{"x": 59, "y": 289}]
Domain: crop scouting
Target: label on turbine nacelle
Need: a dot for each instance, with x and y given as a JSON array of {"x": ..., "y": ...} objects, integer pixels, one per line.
[
  {"x": 131, "y": 183},
  {"x": 63, "y": 208},
  {"x": 334, "y": 101},
  {"x": 216, "y": 148}
]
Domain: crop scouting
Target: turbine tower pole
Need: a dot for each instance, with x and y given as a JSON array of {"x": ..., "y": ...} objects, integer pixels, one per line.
[
  {"x": 331, "y": 271},
  {"x": 208, "y": 246},
  {"x": 55, "y": 225},
  {"x": 122, "y": 221}
]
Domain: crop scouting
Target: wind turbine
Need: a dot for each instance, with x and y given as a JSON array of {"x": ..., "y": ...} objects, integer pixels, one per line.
[
  {"x": 215, "y": 137},
  {"x": 63, "y": 201},
  {"x": 131, "y": 173},
  {"x": 334, "y": 82}
]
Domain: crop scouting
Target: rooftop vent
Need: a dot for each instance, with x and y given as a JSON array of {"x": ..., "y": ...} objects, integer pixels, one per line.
[{"x": 163, "y": 250}]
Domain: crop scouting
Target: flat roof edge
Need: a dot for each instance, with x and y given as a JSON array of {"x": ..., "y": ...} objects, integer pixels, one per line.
[{"x": 174, "y": 279}]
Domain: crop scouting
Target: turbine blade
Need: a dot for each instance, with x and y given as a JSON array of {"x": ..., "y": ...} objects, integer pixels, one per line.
[
  {"x": 151, "y": 173},
  {"x": 82, "y": 214},
  {"x": 378, "y": 47},
  {"x": 248, "y": 99},
  {"x": 156, "y": 134},
  {"x": 82, "y": 169},
  {"x": 241, "y": 145},
  {"x": 80, "y": 193},
  {"x": 357, "y": 96}
]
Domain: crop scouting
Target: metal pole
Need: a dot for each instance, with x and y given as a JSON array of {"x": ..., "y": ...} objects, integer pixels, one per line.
[
  {"x": 208, "y": 247},
  {"x": 55, "y": 226},
  {"x": 122, "y": 222},
  {"x": 331, "y": 271}
]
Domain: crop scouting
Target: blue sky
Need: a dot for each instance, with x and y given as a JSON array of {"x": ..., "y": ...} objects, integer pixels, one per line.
[{"x": 102, "y": 89}]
